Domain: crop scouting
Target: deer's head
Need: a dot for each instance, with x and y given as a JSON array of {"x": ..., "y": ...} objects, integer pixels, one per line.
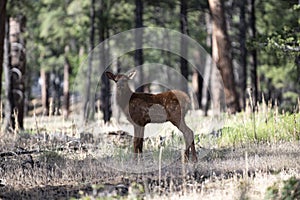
[{"x": 121, "y": 79}]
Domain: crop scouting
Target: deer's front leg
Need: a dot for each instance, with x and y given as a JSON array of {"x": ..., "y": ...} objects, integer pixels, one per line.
[{"x": 138, "y": 139}]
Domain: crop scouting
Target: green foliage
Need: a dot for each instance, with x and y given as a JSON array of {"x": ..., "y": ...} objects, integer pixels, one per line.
[
  {"x": 290, "y": 190},
  {"x": 278, "y": 44},
  {"x": 15, "y": 8},
  {"x": 284, "y": 25},
  {"x": 269, "y": 127},
  {"x": 278, "y": 75},
  {"x": 123, "y": 14},
  {"x": 136, "y": 191},
  {"x": 54, "y": 24},
  {"x": 272, "y": 192}
]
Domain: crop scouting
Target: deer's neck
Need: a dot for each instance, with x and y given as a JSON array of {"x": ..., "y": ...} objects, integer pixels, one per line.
[{"x": 123, "y": 96}]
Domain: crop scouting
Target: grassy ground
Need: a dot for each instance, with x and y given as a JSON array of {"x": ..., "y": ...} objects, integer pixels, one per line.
[{"x": 252, "y": 156}]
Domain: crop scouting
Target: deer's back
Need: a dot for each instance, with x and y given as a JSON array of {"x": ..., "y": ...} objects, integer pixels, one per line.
[{"x": 157, "y": 108}]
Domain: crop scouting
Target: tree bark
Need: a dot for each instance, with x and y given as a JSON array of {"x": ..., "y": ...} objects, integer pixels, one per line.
[
  {"x": 55, "y": 93},
  {"x": 243, "y": 52},
  {"x": 197, "y": 83},
  {"x": 105, "y": 83},
  {"x": 205, "y": 102},
  {"x": 138, "y": 54},
  {"x": 66, "y": 89},
  {"x": 2, "y": 36},
  {"x": 6, "y": 65},
  {"x": 17, "y": 69},
  {"x": 253, "y": 53},
  {"x": 105, "y": 97},
  {"x": 222, "y": 54},
  {"x": 116, "y": 65},
  {"x": 88, "y": 100},
  {"x": 183, "y": 44},
  {"x": 45, "y": 91}
]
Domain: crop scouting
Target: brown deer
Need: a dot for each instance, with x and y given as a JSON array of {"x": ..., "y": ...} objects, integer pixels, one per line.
[{"x": 143, "y": 108}]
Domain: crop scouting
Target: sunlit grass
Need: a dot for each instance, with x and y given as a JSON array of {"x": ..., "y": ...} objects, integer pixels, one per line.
[{"x": 240, "y": 129}]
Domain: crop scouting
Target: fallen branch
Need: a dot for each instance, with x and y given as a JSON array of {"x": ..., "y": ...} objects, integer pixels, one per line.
[
  {"x": 24, "y": 152},
  {"x": 12, "y": 153}
]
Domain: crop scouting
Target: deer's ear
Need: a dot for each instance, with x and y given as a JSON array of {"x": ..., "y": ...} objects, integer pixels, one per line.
[
  {"x": 110, "y": 75},
  {"x": 131, "y": 74}
]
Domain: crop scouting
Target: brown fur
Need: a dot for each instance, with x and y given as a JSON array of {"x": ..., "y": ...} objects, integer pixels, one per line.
[{"x": 143, "y": 108}]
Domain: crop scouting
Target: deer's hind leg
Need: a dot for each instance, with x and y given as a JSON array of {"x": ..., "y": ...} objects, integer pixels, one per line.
[{"x": 189, "y": 139}]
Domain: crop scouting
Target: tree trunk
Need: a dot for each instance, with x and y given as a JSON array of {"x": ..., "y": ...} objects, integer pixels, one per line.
[
  {"x": 138, "y": 54},
  {"x": 253, "y": 54},
  {"x": 55, "y": 93},
  {"x": 243, "y": 52},
  {"x": 66, "y": 90},
  {"x": 45, "y": 91},
  {"x": 88, "y": 100},
  {"x": 6, "y": 65},
  {"x": 105, "y": 96},
  {"x": 205, "y": 102},
  {"x": 183, "y": 45},
  {"x": 115, "y": 108},
  {"x": 105, "y": 99},
  {"x": 2, "y": 36},
  {"x": 222, "y": 54},
  {"x": 105, "y": 83},
  {"x": 17, "y": 68},
  {"x": 197, "y": 83}
]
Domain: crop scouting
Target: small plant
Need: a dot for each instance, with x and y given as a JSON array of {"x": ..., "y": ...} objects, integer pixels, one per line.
[
  {"x": 272, "y": 191},
  {"x": 289, "y": 191},
  {"x": 136, "y": 191}
]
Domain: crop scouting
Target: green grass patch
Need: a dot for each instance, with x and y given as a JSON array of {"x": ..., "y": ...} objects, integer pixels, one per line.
[
  {"x": 259, "y": 127},
  {"x": 288, "y": 189}
]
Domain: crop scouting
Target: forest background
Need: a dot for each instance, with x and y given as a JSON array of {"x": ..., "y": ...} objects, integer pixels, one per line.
[{"x": 44, "y": 42}]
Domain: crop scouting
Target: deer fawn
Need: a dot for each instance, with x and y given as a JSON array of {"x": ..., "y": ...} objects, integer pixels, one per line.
[{"x": 143, "y": 108}]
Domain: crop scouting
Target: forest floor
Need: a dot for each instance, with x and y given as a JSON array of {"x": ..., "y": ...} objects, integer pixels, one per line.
[{"x": 57, "y": 164}]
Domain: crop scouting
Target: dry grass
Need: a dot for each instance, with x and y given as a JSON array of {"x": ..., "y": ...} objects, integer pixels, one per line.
[
  {"x": 225, "y": 173},
  {"x": 95, "y": 162}
]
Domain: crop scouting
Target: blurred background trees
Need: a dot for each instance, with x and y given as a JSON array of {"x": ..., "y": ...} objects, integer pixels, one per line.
[{"x": 55, "y": 36}]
